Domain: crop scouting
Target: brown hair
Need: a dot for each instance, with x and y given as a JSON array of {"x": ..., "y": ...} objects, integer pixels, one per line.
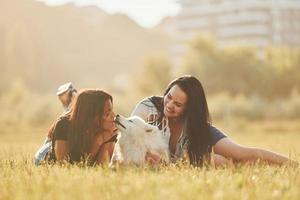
[{"x": 85, "y": 121}]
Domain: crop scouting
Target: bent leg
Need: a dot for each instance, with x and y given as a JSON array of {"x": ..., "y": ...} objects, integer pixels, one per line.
[{"x": 229, "y": 149}]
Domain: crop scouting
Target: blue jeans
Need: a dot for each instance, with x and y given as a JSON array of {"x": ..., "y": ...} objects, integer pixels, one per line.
[{"x": 42, "y": 152}]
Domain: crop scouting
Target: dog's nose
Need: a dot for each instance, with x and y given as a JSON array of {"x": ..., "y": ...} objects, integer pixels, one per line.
[{"x": 117, "y": 115}]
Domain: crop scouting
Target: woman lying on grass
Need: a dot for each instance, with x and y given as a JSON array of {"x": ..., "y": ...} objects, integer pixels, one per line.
[
  {"x": 87, "y": 132},
  {"x": 182, "y": 113}
]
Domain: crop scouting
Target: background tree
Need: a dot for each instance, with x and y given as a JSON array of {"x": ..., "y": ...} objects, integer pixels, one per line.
[
  {"x": 272, "y": 73},
  {"x": 154, "y": 76}
]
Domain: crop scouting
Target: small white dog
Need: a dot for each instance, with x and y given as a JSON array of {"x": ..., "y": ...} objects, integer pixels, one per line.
[{"x": 138, "y": 138}]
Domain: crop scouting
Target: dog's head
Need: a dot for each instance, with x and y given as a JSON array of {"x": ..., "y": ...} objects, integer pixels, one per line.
[
  {"x": 138, "y": 138},
  {"x": 125, "y": 125}
]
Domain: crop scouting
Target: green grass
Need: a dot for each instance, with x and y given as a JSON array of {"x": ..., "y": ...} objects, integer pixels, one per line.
[{"x": 20, "y": 179}]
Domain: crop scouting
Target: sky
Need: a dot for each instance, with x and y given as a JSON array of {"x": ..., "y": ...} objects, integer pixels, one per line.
[{"x": 146, "y": 13}]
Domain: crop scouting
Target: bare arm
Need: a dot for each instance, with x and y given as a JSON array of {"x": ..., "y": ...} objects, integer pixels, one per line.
[
  {"x": 229, "y": 149},
  {"x": 105, "y": 153},
  {"x": 61, "y": 150},
  {"x": 102, "y": 152}
]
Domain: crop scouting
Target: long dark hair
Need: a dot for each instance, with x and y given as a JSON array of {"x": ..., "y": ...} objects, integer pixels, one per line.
[
  {"x": 85, "y": 121},
  {"x": 197, "y": 116}
]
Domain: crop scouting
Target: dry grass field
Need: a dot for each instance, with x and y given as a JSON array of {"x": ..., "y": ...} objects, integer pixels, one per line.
[{"x": 20, "y": 179}]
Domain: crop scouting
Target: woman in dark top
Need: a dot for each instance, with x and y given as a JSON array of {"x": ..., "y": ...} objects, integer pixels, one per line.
[
  {"x": 87, "y": 132},
  {"x": 183, "y": 115}
]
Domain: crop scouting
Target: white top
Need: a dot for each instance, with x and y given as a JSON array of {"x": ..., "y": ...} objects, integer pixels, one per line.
[{"x": 147, "y": 111}]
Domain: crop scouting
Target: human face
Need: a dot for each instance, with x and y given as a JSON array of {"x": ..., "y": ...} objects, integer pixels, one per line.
[
  {"x": 108, "y": 117},
  {"x": 175, "y": 102}
]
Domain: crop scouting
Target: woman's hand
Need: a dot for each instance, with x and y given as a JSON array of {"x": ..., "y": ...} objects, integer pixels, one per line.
[{"x": 152, "y": 159}]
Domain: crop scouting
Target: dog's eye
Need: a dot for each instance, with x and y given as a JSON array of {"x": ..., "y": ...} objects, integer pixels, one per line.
[{"x": 130, "y": 121}]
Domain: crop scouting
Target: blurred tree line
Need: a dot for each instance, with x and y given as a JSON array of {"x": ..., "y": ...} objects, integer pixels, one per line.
[
  {"x": 240, "y": 82},
  {"x": 271, "y": 73}
]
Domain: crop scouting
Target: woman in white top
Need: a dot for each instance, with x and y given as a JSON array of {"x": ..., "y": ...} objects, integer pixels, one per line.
[{"x": 182, "y": 113}]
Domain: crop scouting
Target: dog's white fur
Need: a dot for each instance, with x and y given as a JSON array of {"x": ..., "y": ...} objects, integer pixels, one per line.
[{"x": 138, "y": 138}]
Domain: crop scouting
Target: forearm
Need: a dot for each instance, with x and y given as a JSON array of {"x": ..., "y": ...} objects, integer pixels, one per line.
[
  {"x": 265, "y": 155},
  {"x": 61, "y": 150},
  {"x": 231, "y": 150}
]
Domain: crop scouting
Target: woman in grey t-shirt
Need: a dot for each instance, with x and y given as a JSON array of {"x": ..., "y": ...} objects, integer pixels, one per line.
[{"x": 182, "y": 115}]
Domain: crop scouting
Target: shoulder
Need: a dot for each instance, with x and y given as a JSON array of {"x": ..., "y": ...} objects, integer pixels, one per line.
[
  {"x": 213, "y": 129},
  {"x": 61, "y": 128},
  {"x": 144, "y": 105},
  {"x": 217, "y": 134},
  {"x": 146, "y": 102},
  {"x": 62, "y": 122},
  {"x": 150, "y": 101},
  {"x": 145, "y": 108}
]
